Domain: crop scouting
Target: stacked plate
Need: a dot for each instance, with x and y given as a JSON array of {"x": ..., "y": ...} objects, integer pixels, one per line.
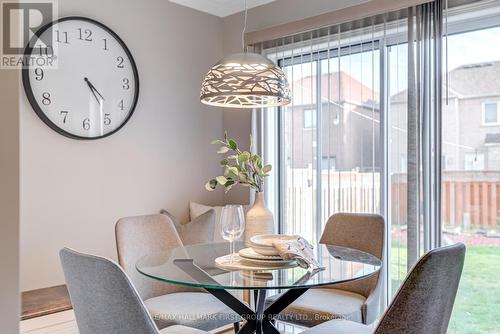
[{"x": 262, "y": 251}]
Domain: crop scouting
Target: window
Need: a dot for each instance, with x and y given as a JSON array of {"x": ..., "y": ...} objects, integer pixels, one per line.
[
  {"x": 468, "y": 192},
  {"x": 310, "y": 118},
  {"x": 490, "y": 113},
  {"x": 328, "y": 163},
  {"x": 337, "y": 168}
]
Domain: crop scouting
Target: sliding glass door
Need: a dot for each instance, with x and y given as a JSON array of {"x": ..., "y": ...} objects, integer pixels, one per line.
[
  {"x": 471, "y": 175},
  {"x": 342, "y": 145},
  {"x": 330, "y": 151}
]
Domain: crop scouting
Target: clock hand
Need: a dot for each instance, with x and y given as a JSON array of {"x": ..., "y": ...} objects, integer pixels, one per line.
[{"x": 94, "y": 90}]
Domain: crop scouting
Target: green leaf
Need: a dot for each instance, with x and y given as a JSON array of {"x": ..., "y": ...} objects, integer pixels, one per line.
[
  {"x": 243, "y": 157},
  {"x": 221, "y": 180},
  {"x": 267, "y": 169},
  {"x": 229, "y": 183},
  {"x": 223, "y": 150},
  {"x": 224, "y": 162},
  {"x": 211, "y": 185},
  {"x": 232, "y": 143},
  {"x": 233, "y": 171},
  {"x": 243, "y": 177}
]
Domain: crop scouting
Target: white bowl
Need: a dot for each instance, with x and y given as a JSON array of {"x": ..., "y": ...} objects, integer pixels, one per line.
[
  {"x": 266, "y": 240},
  {"x": 263, "y": 244},
  {"x": 267, "y": 251}
]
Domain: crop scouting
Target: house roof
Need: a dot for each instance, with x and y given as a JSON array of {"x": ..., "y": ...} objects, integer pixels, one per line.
[
  {"x": 338, "y": 87},
  {"x": 470, "y": 80},
  {"x": 476, "y": 79}
]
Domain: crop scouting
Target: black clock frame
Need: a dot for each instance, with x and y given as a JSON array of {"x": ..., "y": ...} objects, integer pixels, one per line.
[{"x": 31, "y": 98}]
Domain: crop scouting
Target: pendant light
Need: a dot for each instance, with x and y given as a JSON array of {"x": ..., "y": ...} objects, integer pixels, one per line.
[{"x": 245, "y": 80}]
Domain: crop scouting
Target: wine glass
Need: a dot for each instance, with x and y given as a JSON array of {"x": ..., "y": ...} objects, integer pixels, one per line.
[{"x": 232, "y": 225}]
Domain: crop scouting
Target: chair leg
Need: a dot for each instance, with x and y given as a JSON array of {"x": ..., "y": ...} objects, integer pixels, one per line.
[{"x": 236, "y": 327}]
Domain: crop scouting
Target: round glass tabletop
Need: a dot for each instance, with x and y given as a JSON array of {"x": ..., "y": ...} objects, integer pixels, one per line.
[{"x": 195, "y": 265}]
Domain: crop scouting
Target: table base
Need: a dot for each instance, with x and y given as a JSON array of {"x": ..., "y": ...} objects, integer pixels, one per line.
[
  {"x": 262, "y": 319},
  {"x": 259, "y": 321}
]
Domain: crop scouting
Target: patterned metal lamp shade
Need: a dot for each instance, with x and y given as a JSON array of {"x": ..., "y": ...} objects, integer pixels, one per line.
[{"x": 245, "y": 80}]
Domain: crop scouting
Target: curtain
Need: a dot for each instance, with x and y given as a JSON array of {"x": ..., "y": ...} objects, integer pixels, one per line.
[
  {"x": 363, "y": 131},
  {"x": 425, "y": 73}
]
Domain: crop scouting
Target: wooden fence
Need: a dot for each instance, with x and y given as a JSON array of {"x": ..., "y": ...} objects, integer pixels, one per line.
[{"x": 469, "y": 199}]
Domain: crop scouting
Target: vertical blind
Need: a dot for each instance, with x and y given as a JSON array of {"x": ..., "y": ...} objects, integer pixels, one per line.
[{"x": 342, "y": 145}]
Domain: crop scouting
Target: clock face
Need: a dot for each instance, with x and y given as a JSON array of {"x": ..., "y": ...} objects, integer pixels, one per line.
[{"x": 93, "y": 90}]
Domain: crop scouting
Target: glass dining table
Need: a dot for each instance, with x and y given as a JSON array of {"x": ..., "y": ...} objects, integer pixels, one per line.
[{"x": 195, "y": 266}]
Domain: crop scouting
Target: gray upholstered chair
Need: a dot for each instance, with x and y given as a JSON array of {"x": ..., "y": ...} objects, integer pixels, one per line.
[
  {"x": 104, "y": 300},
  {"x": 358, "y": 301},
  {"x": 423, "y": 303},
  {"x": 168, "y": 304}
]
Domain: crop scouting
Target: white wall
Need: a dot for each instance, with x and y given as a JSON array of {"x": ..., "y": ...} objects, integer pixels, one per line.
[
  {"x": 72, "y": 192},
  {"x": 9, "y": 201}
]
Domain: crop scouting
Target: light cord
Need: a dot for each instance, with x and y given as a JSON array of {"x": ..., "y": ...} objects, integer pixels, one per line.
[{"x": 243, "y": 46}]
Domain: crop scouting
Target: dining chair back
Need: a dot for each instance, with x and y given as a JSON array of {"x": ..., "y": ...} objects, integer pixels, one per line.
[
  {"x": 364, "y": 232},
  {"x": 141, "y": 235},
  {"x": 422, "y": 305},
  {"x": 103, "y": 298},
  {"x": 424, "y": 302}
]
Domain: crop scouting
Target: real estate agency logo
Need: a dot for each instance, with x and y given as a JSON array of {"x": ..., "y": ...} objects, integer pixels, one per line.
[{"x": 20, "y": 21}]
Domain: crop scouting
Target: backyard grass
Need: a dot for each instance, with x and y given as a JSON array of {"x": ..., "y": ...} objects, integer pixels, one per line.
[{"x": 477, "y": 306}]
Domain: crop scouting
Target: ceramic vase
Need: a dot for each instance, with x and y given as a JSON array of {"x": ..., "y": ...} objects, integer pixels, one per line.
[{"x": 259, "y": 219}]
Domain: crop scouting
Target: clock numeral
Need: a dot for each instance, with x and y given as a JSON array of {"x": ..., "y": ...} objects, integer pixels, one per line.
[
  {"x": 119, "y": 61},
  {"x": 105, "y": 44},
  {"x": 85, "y": 35},
  {"x": 126, "y": 83},
  {"x": 121, "y": 105},
  {"x": 64, "y": 37},
  {"x": 86, "y": 124},
  {"x": 38, "y": 74},
  {"x": 47, "y": 50},
  {"x": 65, "y": 115},
  {"x": 46, "y": 98},
  {"x": 107, "y": 119}
]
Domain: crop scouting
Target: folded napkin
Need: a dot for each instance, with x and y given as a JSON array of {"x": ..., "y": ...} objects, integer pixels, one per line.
[{"x": 298, "y": 249}]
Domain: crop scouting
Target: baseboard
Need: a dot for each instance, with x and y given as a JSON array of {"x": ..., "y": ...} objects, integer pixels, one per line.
[{"x": 57, "y": 323}]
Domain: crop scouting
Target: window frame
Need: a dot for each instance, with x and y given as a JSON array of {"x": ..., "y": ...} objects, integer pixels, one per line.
[
  {"x": 314, "y": 118},
  {"x": 483, "y": 113}
]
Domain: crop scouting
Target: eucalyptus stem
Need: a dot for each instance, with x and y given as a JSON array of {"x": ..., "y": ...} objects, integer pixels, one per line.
[{"x": 240, "y": 167}]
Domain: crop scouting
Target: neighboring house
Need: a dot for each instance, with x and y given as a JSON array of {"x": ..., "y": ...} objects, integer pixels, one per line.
[
  {"x": 350, "y": 120},
  {"x": 471, "y": 119}
]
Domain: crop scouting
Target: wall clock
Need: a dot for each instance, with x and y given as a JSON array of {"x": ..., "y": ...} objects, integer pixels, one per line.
[{"x": 93, "y": 90}]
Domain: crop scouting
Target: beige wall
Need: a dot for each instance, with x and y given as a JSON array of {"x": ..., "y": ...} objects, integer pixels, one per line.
[
  {"x": 74, "y": 191},
  {"x": 9, "y": 201}
]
